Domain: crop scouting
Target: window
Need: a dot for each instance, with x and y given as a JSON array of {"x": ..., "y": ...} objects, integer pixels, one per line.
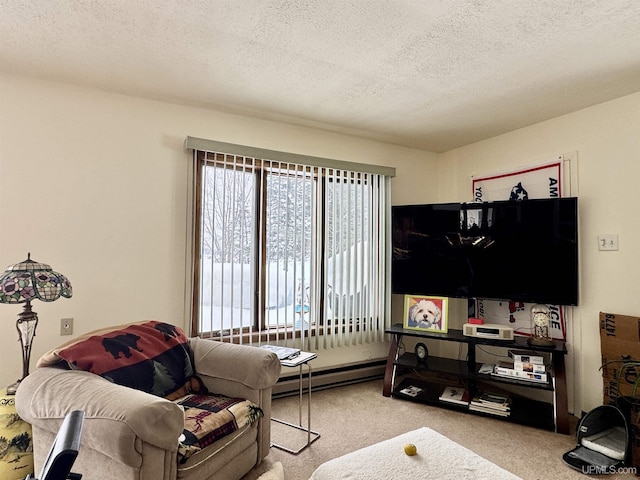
[{"x": 289, "y": 249}]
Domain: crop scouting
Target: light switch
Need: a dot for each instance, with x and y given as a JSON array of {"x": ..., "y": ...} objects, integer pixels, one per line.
[{"x": 608, "y": 241}]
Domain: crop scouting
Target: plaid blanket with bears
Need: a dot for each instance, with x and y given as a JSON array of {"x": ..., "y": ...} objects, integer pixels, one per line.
[{"x": 155, "y": 357}]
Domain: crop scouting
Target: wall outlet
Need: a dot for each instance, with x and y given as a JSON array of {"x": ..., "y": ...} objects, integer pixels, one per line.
[{"x": 66, "y": 326}]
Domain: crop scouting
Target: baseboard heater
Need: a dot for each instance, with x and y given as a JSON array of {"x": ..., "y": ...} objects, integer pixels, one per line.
[{"x": 330, "y": 377}]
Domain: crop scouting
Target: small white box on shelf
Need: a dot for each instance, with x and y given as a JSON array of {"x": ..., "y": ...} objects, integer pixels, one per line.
[{"x": 526, "y": 357}]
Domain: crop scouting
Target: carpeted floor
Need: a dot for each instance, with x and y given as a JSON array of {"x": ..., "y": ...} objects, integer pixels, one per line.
[
  {"x": 356, "y": 416},
  {"x": 275, "y": 472}
]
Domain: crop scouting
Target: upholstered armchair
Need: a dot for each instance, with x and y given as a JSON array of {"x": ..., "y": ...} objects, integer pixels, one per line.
[{"x": 133, "y": 434}]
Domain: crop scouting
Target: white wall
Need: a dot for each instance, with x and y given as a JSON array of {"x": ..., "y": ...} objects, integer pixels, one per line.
[
  {"x": 607, "y": 143},
  {"x": 95, "y": 184}
]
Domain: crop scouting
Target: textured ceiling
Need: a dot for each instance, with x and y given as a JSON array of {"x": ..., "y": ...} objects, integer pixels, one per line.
[{"x": 422, "y": 73}]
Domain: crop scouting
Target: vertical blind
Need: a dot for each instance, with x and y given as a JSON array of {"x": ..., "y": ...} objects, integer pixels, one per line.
[{"x": 290, "y": 253}]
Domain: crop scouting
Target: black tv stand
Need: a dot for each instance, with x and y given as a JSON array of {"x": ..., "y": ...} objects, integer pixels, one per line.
[{"x": 538, "y": 414}]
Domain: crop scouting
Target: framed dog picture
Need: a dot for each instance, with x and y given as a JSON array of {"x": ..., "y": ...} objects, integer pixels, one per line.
[{"x": 426, "y": 313}]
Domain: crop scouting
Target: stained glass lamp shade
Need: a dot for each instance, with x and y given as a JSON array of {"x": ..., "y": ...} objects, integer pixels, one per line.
[{"x": 21, "y": 283}]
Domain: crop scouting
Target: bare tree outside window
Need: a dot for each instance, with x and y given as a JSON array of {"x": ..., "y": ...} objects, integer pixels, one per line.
[{"x": 228, "y": 247}]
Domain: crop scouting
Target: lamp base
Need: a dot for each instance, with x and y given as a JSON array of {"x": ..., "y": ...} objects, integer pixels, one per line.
[{"x": 13, "y": 388}]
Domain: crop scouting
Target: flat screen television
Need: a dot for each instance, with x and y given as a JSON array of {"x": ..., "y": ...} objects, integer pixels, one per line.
[{"x": 519, "y": 251}]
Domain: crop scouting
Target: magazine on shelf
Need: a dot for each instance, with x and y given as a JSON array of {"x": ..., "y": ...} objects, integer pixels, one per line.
[
  {"x": 529, "y": 367},
  {"x": 491, "y": 411},
  {"x": 494, "y": 401},
  {"x": 492, "y": 398},
  {"x": 526, "y": 356},
  {"x": 411, "y": 391},
  {"x": 458, "y": 395},
  {"x": 505, "y": 369},
  {"x": 527, "y": 377}
]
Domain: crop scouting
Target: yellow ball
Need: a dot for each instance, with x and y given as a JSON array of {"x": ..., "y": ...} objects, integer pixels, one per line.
[{"x": 410, "y": 449}]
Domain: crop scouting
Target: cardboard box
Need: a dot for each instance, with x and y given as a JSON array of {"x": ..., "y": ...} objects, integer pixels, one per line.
[
  {"x": 618, "y": 374},
  {"x": 620, "y": 344},
  {"x": 619, "y": 327}
]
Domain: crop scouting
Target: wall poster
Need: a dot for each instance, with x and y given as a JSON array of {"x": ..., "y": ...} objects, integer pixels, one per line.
[{"x": 543, "y": 180}]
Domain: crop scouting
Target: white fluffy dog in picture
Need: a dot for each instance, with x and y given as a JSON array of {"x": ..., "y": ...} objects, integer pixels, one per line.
[{"x": 425, "y": 314}]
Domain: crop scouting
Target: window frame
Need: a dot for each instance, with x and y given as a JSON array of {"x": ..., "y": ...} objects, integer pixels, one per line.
[{"x": 261, "y": 330}]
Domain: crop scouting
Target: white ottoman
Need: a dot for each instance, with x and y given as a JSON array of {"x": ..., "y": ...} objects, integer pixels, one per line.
[{"x": 438, "y": 457}]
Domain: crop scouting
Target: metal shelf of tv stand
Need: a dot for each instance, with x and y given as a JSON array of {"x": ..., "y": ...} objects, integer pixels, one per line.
[{"x": 469, "y": 368}]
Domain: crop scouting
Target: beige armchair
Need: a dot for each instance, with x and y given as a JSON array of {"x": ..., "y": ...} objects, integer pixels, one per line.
[{"x": 130, "y": 434}]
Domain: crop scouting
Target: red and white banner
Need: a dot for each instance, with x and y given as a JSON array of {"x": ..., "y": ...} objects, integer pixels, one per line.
[
  {"x": 538, "y": 181},
  {"x": 543, "y": 180}
]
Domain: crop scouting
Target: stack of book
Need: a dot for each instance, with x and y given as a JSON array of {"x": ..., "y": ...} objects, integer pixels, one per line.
[
  {"x": 457, "y": 395},
  {"x": 492, "y": 403},
  {"x": 525, "y": 365}
]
